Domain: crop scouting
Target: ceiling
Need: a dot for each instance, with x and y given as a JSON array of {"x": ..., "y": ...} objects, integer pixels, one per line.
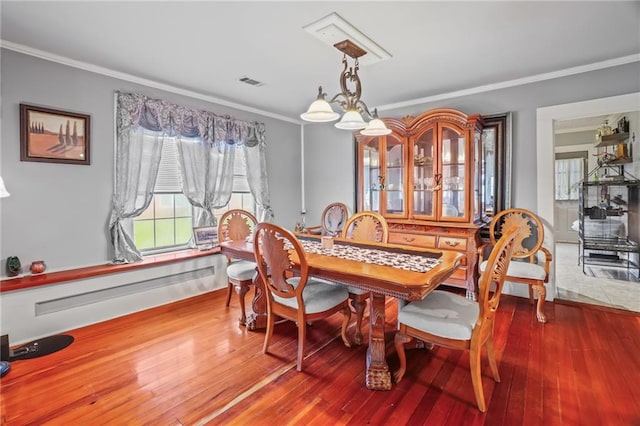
[
  {"x": 436, "y": 48},
  {"x": 586, "y": 124}
]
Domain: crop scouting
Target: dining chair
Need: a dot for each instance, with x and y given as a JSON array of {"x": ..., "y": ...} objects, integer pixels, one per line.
[
  {"x": 333, "y": 219},
  {"x": 238, "y": 225},
  {"x": 527, "y": 267},
  {"x": 363, "y": 226},
  {"x": 291, "y": 293},
  {"x": 447, "y": 319}
]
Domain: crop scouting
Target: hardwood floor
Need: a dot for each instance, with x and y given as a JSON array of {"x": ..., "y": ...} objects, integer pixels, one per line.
[{"x": 190, "y": 363}]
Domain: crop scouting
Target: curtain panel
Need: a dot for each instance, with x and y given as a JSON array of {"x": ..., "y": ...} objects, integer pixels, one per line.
[{"x": 206, "y": 145}]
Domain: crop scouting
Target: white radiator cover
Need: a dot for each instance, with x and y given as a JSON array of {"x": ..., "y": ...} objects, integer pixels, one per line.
[{"x": 33, "y": 313}]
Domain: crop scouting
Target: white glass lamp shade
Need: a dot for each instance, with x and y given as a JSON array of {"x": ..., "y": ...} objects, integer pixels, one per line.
[
  {"x": 3, "y": 189},
  {"x": 320, "y": 112},
  {"x": 351, "y": 120},
  {"x": 376, "y": 127}
]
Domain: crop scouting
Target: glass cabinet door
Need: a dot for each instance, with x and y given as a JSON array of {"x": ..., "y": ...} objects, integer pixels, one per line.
[
  {"x": 454, "y": 182},
  {"x": 394, "y": 178},
  {"x": 370, "y": 174},
  {"x": 423, "y": 175}
]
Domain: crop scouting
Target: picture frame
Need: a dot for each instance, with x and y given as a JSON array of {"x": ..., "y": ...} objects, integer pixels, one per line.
[
  {"x": 205, "y": 236},
  {"x": 54, "y": 136}
]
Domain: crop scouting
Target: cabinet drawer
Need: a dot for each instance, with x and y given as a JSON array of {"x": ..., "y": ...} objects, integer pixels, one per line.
[
  {"x": 460, "y": 274},
  {"x": 452, "y": 243},
  {"x": 428, "y": 241}
]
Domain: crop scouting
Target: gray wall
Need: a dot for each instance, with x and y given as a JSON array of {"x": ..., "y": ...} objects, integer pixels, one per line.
[
  {"x": 329, "y": 169},
  {"x": 59, "y": 212}
]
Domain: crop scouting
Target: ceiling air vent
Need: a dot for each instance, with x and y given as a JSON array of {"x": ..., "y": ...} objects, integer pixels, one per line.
[
  {"x": 250, "y": 81},
  {"x": 333, "y": 29}
]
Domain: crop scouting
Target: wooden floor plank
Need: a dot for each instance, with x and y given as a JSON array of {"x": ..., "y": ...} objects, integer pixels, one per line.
[
  {"x": 508, "y": 360},
  {"x": 550, "y": 345},
  {"x": 569, "y": 392},
  {"x": 191, "y": 363}
]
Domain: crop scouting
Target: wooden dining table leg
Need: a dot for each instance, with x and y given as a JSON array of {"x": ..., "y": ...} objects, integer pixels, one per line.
[
  {"x": 378, "y": 376},
  {"x": 257, "y": 319}
]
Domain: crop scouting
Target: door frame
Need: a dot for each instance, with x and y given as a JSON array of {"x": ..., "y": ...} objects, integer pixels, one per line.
[{"x": 545, "y": 143}]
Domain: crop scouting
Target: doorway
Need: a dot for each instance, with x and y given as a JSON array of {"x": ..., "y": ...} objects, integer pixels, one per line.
[{"x": 563, "y": 268}]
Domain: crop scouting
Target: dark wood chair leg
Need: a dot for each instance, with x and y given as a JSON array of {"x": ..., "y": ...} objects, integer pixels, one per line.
[
  {"x": 229, "y": 290},
  {"x": 359, "y": 302},
  {"x": 399, "y": 341},
  {"x": 242, "y": 288},
  {"x": 542, "y": 295}
]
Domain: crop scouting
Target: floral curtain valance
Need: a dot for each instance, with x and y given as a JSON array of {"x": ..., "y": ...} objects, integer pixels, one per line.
[{"x": 176, "y": 120}]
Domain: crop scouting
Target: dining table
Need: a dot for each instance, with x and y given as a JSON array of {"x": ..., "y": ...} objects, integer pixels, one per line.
[{"x": 405, "y": 272}]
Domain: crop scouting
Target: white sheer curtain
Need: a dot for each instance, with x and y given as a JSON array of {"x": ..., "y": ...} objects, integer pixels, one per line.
[
  {"x": 136, "y": 171},
  {"x": 206, "y": 146},
  {"x": 207, "y": 176},
  {"x": 569, "y": 173},
  {"x": 256, "y": 166}
]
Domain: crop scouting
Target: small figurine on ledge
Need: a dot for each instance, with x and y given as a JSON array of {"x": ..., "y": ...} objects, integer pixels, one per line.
[
  {"x": 38, "y": 267},
  {"x": 13, "y": 266}
]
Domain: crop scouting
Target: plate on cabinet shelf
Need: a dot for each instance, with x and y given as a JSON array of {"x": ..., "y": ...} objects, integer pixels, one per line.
[{"x": 421, "y": 161}]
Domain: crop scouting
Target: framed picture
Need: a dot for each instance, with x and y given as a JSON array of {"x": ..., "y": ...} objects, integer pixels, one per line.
[
  {"x": 206, "y": 236},
  {"x": 54, "y": 136}
]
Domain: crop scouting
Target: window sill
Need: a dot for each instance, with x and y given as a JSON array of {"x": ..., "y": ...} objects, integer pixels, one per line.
[{"x": 30, "y": 281}]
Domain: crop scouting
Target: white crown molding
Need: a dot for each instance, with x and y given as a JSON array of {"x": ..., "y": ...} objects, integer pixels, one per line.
[
  {"x": 465, "y": 92},
  {"x": 517, "y": 82},
  {"x": 138, "y": 80}
]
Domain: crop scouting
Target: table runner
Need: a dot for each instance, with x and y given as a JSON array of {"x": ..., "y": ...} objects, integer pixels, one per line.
[{"x": 393, "y": 258}]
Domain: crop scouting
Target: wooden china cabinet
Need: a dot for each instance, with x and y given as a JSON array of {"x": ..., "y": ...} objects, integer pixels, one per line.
[{"x": 425, "y": 179}]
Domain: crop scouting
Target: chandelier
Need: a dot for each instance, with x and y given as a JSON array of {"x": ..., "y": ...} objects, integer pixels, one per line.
[{"x": 320, "y": 110}]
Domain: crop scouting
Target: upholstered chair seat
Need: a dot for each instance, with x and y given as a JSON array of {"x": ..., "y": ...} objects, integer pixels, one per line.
[
  {"x": 318, "y": 295},
  {"x": 241, "y": 270},
  {"x": 442, "y": 313}
]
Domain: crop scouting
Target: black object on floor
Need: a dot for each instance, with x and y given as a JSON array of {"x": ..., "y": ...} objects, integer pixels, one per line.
[
  {"x": 41, "y": 347},
  {"x": 4, "y": 368}
]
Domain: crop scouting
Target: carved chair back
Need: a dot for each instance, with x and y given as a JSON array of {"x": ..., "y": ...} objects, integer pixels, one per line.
[
  {"x": 236, "y": 225},
  {"x": 271, "y": 246},
  {"x": 367, "y": 226},
  {"x": 495, "y": 273},
  {"x": 530, "y": 235},
  {"x": 334, "y": 217}
]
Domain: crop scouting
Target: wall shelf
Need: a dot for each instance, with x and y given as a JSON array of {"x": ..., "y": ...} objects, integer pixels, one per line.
[{"x": 612, "y": 139}]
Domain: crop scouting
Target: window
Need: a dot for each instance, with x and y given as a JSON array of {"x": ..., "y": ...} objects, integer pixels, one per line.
[
  {"x": 168, "y": 221},
  {"x": 570, "y": 171},
  {"x": 167, "y": 224}
]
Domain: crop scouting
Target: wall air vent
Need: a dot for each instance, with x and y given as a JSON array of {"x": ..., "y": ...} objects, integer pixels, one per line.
[{"x": 251, "y": 81}]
